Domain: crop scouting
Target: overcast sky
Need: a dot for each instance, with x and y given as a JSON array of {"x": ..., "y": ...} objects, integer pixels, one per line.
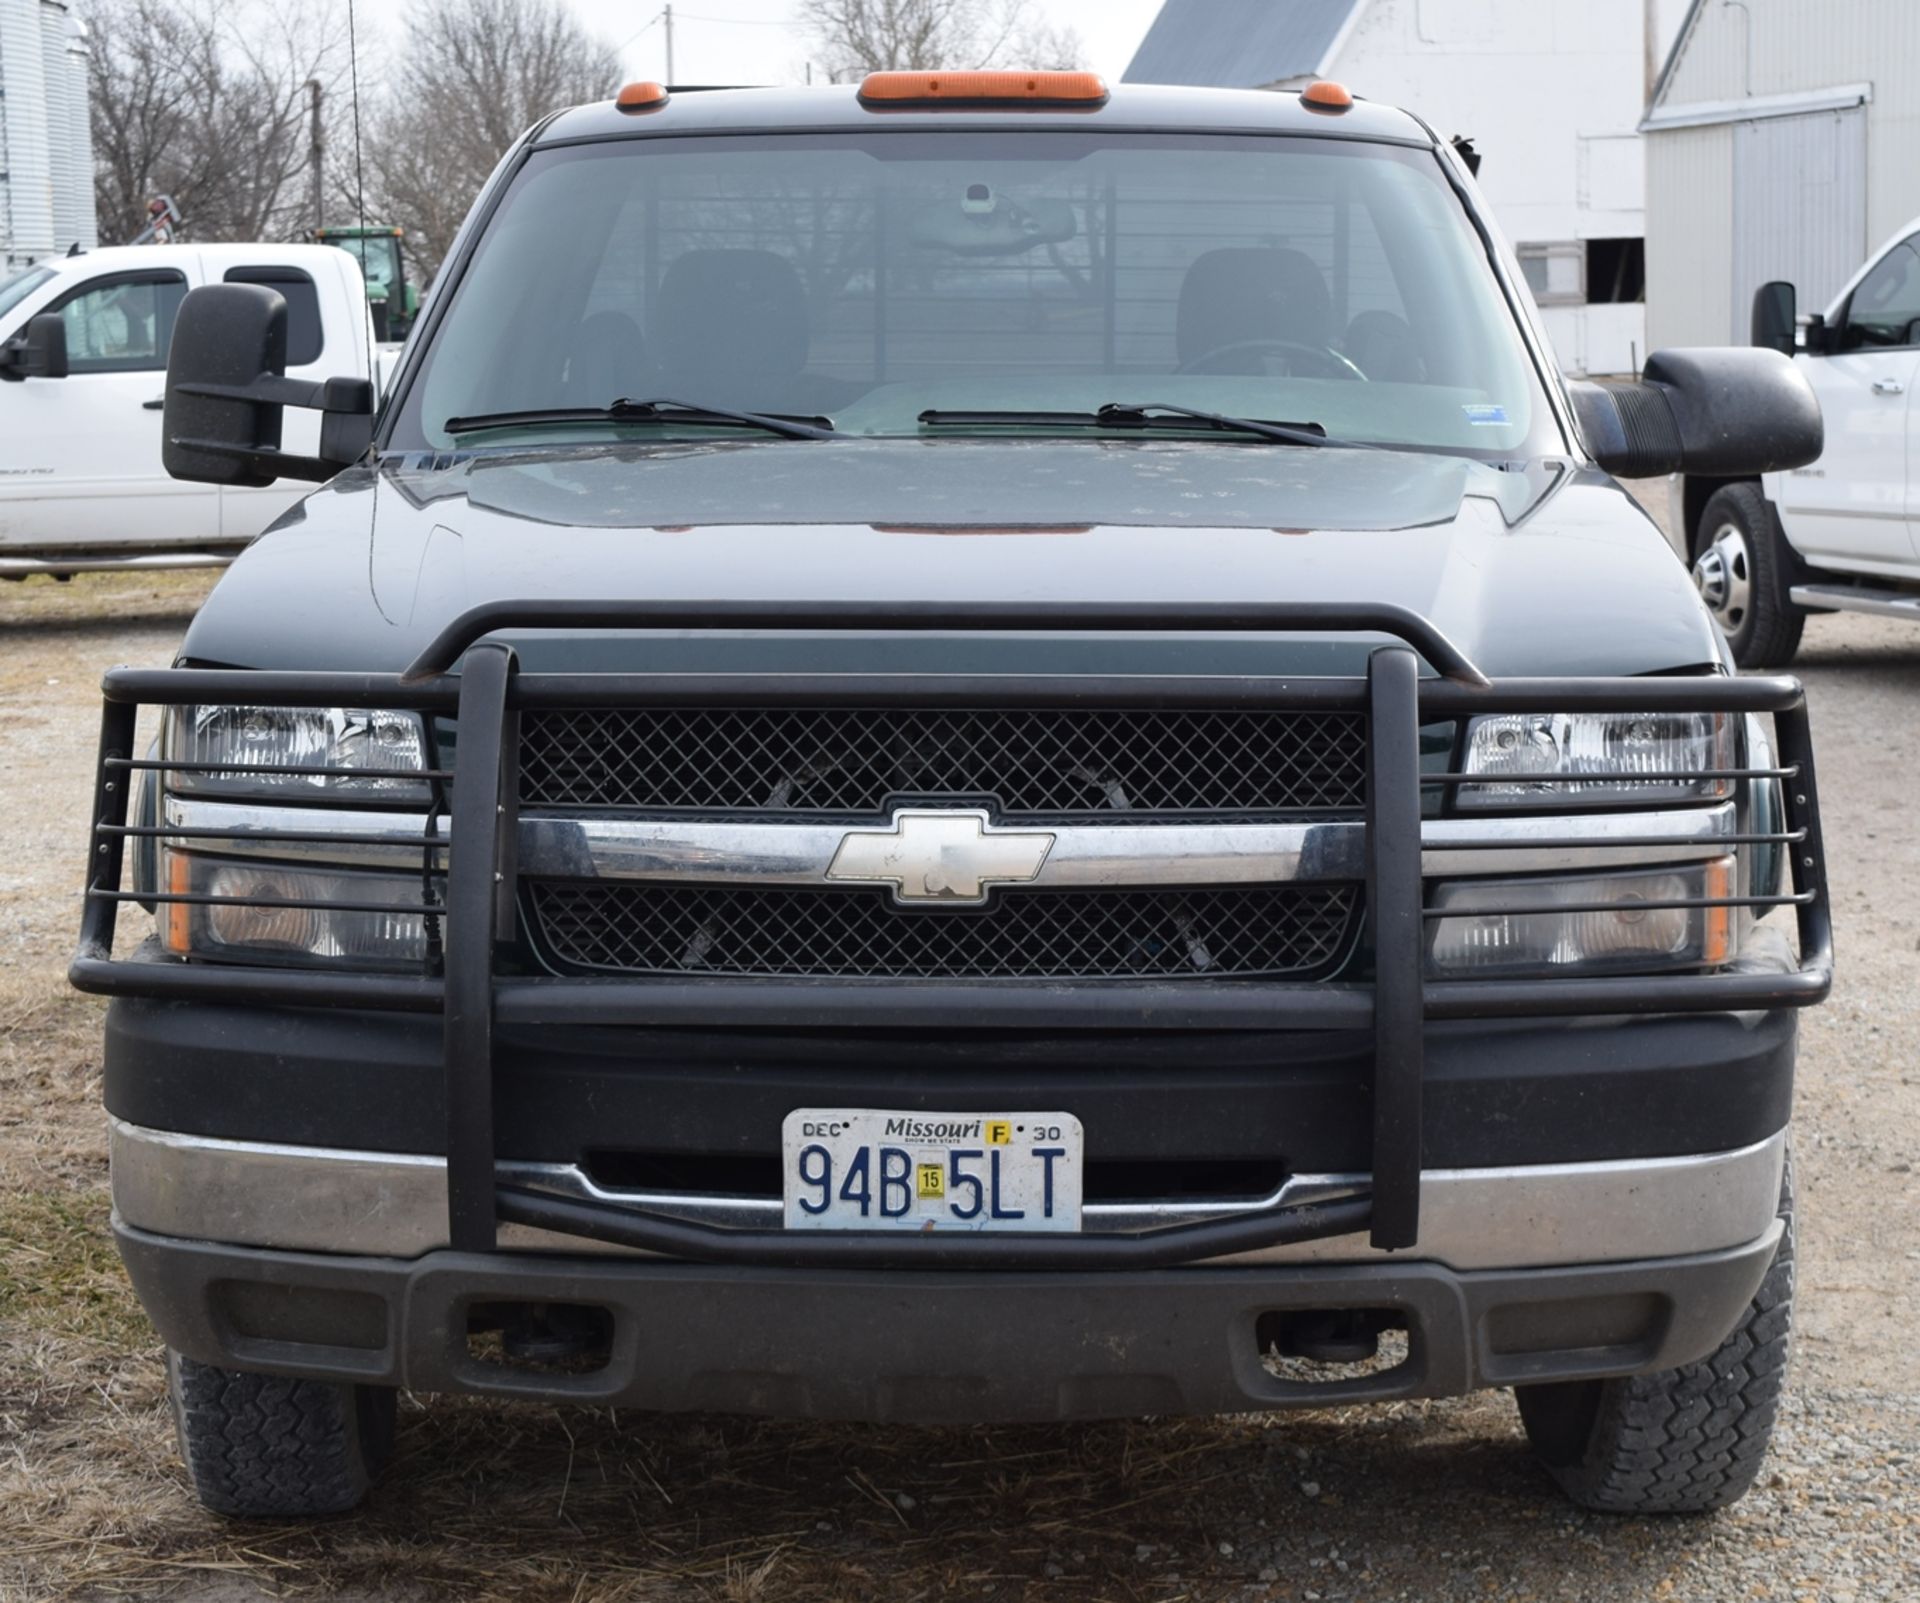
[{"x": 757, "y": 42}]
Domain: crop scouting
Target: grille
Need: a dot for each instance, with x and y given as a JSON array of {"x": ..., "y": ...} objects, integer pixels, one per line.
[
  {"x": 1034, "y": 762},
  {"x": 1271, "y": 931}
]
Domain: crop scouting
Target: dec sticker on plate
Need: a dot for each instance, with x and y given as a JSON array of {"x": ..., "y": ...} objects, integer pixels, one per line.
[{"x": 869, "y": 1169}]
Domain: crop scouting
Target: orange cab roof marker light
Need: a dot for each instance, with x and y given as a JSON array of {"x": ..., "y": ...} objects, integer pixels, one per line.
[
  {"x": 641, "y": 97},
  {"x": 911, "y": 88},
  {"x": 1325, "y": 95}
]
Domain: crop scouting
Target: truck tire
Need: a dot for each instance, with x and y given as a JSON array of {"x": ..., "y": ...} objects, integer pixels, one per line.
[
  {"x": 1743, "y": 570},
  {"x": 1678, "y": 1441},
  {"x": 272, "y": 1447}
]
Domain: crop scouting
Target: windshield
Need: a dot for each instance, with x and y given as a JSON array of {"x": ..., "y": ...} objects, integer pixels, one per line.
[
  {"x": 868, "y": 279},
  {"x": 375, "y": 256},
  {"x": 22, "y": 284}
]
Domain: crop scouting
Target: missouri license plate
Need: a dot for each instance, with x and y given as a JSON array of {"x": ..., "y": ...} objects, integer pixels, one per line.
[{"x": 866, "y": 1169}]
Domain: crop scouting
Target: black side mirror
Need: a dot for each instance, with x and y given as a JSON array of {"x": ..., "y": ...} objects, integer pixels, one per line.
[
  {"x": 227, "y": 389},
  {"x": 1774, "y": 315},
  {"x": 41, "y": 352},
  {"x": 1732, "y": 413}
]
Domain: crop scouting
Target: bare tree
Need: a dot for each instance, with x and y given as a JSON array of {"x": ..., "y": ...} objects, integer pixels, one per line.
[
  {"x": 474, "y": 76},
  {"x": 856, "y": 37},
  {"x": 205, "y": 100}
]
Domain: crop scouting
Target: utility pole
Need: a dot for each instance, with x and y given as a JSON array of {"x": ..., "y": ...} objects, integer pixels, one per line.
[
  {"x": 669, "y": 18},
  {"x": 317, "y": 154}
]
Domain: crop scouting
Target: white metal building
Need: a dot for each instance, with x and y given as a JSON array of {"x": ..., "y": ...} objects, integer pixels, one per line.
[
  {"x": 46, "y": 138},
  {"x": 1783, "y": 141},
  {"x": 1550, "y": 91}
]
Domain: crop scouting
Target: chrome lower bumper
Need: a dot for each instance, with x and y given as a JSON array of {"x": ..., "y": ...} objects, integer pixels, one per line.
[{"x": 383, "y": 1204}]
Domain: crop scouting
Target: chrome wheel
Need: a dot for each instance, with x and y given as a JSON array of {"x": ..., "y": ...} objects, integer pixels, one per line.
[{"x": 1724, "y": 576}]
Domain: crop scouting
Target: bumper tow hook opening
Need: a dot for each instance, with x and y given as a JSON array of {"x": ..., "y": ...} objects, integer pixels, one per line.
[{"x": 1319, "y": 1345}]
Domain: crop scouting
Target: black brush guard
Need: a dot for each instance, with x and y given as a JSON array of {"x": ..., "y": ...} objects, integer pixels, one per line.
[{"x": 488, "y": 694}]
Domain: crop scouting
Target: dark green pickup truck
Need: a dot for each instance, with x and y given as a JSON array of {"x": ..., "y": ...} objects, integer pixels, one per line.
[{"x": 970, "y": 749}]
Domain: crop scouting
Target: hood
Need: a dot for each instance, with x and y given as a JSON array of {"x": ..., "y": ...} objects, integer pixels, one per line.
[{"x": 1549, "y": 571}]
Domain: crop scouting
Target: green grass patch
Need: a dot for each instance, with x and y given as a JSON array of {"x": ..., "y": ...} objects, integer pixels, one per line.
[{"x": 59, "y": 1272}]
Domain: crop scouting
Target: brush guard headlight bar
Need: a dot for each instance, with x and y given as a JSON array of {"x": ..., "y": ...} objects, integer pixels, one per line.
[{"x": 468, "y": 830}]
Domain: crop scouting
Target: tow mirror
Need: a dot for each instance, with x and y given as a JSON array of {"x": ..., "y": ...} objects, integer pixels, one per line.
[
  {"x": 1730, "y": 412},
  {"x": 40, "y": 352},
  {"x": 227, "y": 390},
  {"x": 1774, "y": 316}
]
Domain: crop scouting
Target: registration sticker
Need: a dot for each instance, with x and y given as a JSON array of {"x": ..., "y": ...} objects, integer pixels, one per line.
[
  {"x": 870, "y": 1169},
  {"x": 1482, "y": 417}
]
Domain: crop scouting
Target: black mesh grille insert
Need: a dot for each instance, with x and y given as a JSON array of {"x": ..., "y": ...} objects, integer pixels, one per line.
[
  {"x": 1273, "y": 931},
  {"x": 1037, "y": 762}
]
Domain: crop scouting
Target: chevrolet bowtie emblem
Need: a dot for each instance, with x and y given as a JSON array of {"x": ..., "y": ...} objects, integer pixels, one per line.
[{"x": 950, "y": 857}]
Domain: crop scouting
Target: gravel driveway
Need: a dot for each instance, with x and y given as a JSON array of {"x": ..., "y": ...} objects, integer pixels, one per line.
[{"x": 1421, "y": 1501}]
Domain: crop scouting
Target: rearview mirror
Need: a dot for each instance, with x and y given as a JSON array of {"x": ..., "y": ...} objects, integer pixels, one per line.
[
  {"x": 227, "y": 390},
  {"x": 40, "y": 352},
  {"x": 1774, "y": 317},
  {"x": 1731, "y": 413}
]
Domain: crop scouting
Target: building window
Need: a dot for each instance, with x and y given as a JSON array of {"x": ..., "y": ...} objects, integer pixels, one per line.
[
  {"x": 1557, "y": 273},
  {"x": 1587, "y": 272},
  {"x": 1616, "y": 270}
]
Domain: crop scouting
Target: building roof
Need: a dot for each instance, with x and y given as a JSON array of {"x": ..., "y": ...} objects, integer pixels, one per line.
[
  {"x": 1682, "y": 37},
  {"x": 1240, "y": 44}
]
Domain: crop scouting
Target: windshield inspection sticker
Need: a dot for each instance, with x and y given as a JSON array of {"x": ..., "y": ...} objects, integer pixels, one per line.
[{"x": 1486, "y": 416}]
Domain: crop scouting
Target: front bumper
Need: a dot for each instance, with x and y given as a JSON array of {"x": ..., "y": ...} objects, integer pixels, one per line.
[
  {"x": 925, "y": 1346},
  {"x": 386, "y": 1204}
]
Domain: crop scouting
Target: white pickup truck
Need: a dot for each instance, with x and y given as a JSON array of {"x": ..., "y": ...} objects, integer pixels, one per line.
[
  {"x": 1843, "y": 533},
  {"x": 81, "y": 485}
]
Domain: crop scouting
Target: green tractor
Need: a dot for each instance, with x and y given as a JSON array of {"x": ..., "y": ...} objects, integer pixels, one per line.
[{"x": 376, "y": 247}]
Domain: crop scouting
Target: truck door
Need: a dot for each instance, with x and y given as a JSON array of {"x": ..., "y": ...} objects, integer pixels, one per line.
[
  {"x": 1850, "y": 509},
  {"x": 89, "y": 444}
]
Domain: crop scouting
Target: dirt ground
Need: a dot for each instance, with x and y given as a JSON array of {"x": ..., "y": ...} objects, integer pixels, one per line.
[{"x": 496, "y": 1501}]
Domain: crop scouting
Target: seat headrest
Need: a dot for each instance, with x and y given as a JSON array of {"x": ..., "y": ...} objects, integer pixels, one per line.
[
  {"x": 731, "y": 315},
  {"x": 1251, "y": 292}
]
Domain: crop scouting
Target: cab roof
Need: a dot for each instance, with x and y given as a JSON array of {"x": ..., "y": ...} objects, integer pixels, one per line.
[{"x": 837, "y": 108}]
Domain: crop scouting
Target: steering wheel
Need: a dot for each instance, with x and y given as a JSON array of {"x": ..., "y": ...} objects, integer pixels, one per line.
[{"x": 1330, "y": 362}]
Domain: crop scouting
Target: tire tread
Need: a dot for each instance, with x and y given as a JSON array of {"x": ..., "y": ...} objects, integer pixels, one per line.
[
  {"x": 1774, "y": 624},
  {"x": 273, "y": 1446},
  {"x": 1689, "y": 1440}
]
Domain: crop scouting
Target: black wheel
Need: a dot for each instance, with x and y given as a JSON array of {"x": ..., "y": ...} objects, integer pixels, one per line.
[
  {"x": 1743, "y": 569},
  {"x": 270, "y": 1447},
  {"x": 1678, "y": 1441}
]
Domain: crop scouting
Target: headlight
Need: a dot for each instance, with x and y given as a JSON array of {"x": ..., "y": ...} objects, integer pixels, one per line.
[
  {"x": 1531, "y": 759},
  {"x": 1594, "y": 924},
  {"x": 370, "y": 930},
  {"x": 381, "y": 752}
]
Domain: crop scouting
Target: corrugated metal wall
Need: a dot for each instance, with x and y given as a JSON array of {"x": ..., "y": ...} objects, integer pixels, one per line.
[
  {"x": 1689, "y": 236},
  {"x": 29, "y": 215},
  {"x": 61, "y": 167},
  {"x": 46, "y": 142},
  {"x": 85, "y": 219},
  {"x": 1773, "y": 47},
  {"x": 1799, "y": 207}
]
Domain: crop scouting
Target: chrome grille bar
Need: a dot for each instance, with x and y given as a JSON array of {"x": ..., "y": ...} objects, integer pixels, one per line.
[{"x": 1083, "y": 856}]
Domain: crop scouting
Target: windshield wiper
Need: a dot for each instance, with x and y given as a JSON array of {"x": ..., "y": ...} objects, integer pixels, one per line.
[
  {"x": 660, "y": 411},
  {"x": 1134, "y": 415}
]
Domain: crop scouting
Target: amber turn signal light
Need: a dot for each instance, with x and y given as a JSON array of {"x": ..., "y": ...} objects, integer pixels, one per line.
[
  {"x": 640, "y": 97},
  {"x": 1326, "y": 95},
  {"x": 899, "y": 88}
]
